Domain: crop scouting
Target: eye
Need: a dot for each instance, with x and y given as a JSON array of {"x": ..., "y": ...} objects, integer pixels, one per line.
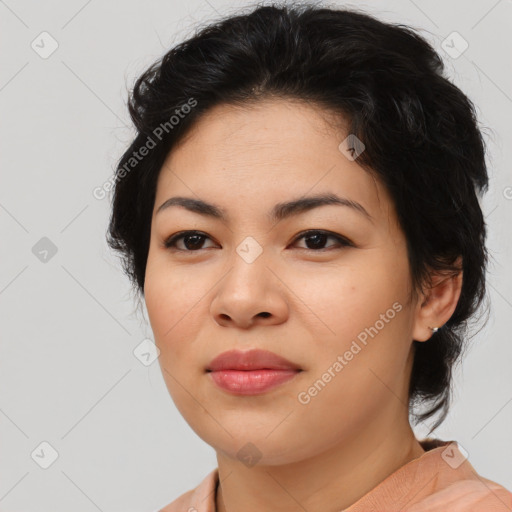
[
  {"x": 193, "y": 240},
  {"x": 318, "y": 238}
]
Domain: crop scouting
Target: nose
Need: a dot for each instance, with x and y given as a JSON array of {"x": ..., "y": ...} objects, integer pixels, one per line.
[{"x": 249, "y": 294}]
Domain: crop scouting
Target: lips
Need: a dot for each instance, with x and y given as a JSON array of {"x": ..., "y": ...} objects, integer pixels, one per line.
[
  {"x": 252, "y": 372},
  {"x": 254, "y": 359}
]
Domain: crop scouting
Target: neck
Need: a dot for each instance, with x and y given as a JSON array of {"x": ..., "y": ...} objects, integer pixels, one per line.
[{"x": 330, "y": 481}]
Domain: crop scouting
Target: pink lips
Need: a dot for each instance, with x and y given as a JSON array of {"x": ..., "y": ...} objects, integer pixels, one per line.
[{"x": 250, "y": 372}]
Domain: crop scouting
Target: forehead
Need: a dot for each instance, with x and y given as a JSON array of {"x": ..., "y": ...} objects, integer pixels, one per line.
[{"x": 267, "y": 152}]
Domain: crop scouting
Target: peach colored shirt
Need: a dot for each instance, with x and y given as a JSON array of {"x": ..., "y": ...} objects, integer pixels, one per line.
[{"x": 440, "y": 480}]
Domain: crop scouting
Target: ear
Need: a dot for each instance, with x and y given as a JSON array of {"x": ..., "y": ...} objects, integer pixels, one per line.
[{"x": 437, "y": 304}]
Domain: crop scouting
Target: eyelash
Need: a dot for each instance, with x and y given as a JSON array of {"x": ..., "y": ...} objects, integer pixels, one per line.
[{"x": 170, "y": 243}]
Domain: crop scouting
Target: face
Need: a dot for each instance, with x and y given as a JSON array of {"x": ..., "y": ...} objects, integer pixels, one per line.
[{"x": 326, "y": 286}]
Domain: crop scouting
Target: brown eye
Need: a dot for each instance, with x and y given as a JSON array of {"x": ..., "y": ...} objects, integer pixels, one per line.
[
  {"x": 316, "y": 239},
  {"x": 192, "y": 240}
]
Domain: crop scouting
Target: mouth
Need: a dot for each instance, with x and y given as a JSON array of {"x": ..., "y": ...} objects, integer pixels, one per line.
[
  {"x": 254, "y": 359},
  {"x": 251, "y": 372},
  {"x": 251, "y": 382}
]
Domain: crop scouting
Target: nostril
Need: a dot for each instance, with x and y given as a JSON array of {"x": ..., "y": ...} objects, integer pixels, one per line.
[{"x": 265, "y": 314}]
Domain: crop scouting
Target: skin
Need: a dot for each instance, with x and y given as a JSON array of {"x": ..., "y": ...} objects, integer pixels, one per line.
[{"x": 326, "y": 454}]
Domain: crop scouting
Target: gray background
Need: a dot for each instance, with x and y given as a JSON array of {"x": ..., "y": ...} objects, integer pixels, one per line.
[{"x": 69, "y": 325}]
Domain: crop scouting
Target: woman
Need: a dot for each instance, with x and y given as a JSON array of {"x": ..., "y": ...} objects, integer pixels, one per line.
[{"x": 300, "y": 212}]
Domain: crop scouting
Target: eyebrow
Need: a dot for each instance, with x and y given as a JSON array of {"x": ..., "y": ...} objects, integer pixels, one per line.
[{"x": 279, "y": 212}]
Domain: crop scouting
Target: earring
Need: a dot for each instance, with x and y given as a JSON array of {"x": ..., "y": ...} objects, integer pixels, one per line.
[{"x": 434, "y": 329}]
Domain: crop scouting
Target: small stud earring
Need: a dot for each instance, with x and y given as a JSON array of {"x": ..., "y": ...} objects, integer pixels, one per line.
[{"x": 434, "y": 329}]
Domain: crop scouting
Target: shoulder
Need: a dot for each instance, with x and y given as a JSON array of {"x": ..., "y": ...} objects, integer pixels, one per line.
[
  {"x": 200, "y": 499},
  {"x": 471, "y": 495}
]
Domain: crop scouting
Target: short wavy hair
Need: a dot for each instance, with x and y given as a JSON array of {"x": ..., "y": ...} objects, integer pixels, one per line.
[{"x": 420, "y": 133}]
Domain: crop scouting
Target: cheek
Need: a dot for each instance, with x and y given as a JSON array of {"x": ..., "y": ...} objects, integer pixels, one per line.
[
  {"x": 360, "y": 314},
  {"x": 173, "y": 306},
  {"x": 171, "y": 301},
  {"x": 343, "y": 301}
]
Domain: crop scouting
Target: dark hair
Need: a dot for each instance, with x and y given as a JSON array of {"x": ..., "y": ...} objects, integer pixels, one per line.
[{"x": 419, "y": 130}]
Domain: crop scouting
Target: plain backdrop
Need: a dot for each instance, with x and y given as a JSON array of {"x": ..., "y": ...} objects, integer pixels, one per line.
[{"x": 73, "y": 395}]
